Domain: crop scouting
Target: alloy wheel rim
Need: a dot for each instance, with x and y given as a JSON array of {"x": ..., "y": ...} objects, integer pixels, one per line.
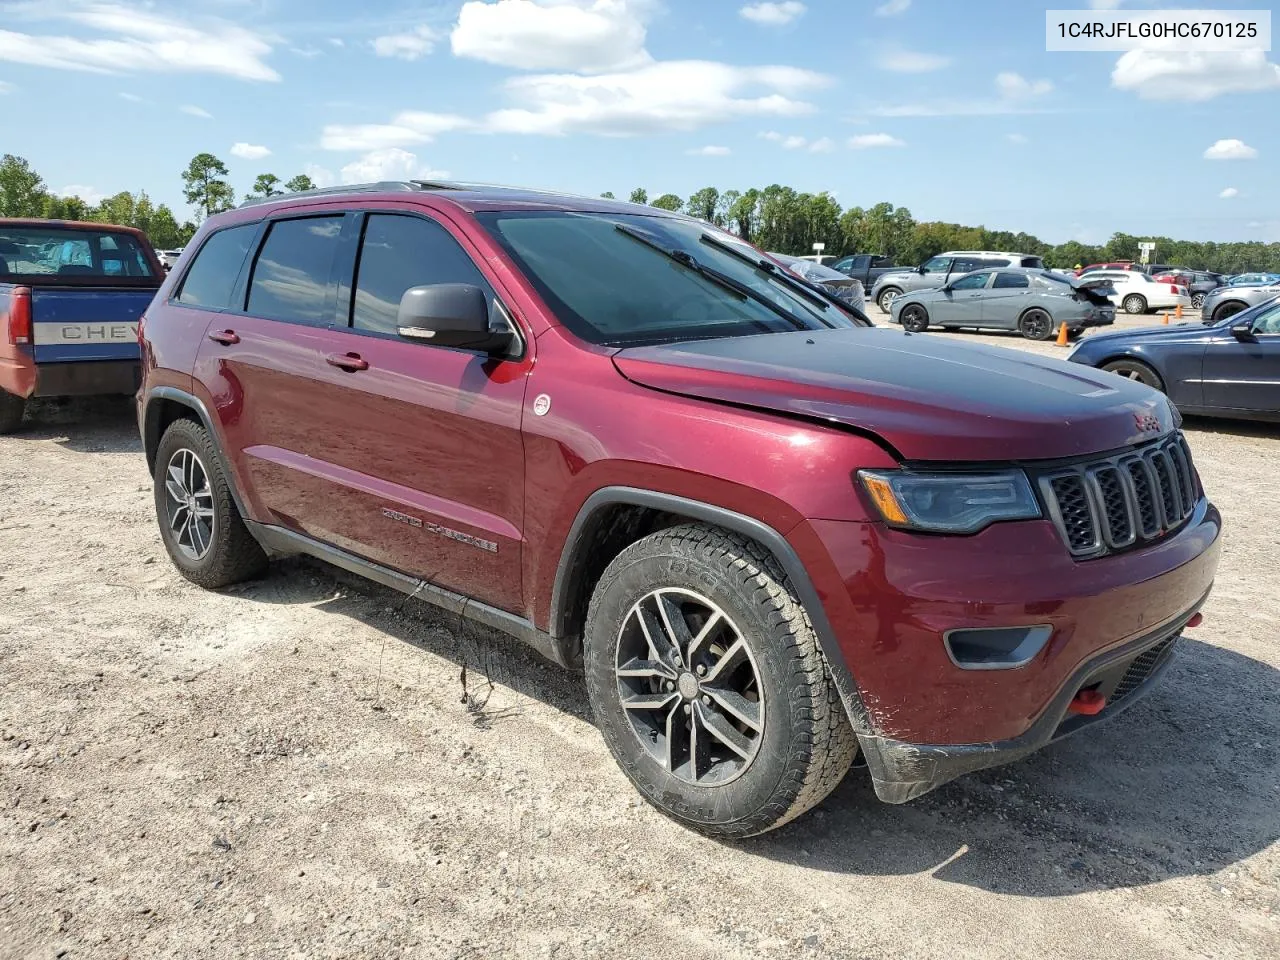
[
  {"x": 886, "y": 300},
  {"x": 1130, "y": 373},
  {"x": 690, "y": 687},
  {"x": 189, "y": 504},
  {"x": 1038, "y": 326}
]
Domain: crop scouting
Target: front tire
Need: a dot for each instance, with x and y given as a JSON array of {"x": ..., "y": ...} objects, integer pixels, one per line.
[
  {"x": 1197, "y": 301},
  {"x": 1135, "y": 303},
  {"x": 1135, "y": 370},
  {"x": 707, "y": 681},
  {"x": 1228, "y": 309},
  {"x": 201, "y": 528},
  {"x": 11, "y": 410},
  {"x": 914, "y": 318}
]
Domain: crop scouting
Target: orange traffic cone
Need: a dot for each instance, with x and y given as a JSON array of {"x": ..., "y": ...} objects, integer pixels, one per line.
[
  {"x": 1164, "y": 319},
  {"x": 1178, "y": 311},
  {"x": 1062, "y": 335}
]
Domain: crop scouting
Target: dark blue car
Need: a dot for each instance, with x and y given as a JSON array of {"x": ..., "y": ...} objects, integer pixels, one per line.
[{"x": 1226, "y": 369}]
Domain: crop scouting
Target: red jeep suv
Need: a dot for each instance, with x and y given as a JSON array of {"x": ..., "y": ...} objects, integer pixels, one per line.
[{"x": 771, "y": 535}]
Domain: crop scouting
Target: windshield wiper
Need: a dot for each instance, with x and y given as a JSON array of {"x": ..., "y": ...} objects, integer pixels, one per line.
[
  {"x": 769, "y": 267},
  {"x": 690, "y": 262}
]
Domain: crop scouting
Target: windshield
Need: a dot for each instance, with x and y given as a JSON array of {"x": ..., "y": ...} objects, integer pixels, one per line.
[
  {"x": 626, "y": 279},
  {"x": 28, "y": 252}
]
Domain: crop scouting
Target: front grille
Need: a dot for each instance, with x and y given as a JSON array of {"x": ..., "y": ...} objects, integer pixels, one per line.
[
  {"x": 1142, "y": 667},
  {"x": 1112, "y": 504}
]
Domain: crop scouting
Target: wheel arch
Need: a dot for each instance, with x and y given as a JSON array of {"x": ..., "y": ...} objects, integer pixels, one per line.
[
  {"x": 613, "y": 518},
  {"x": 164, "y": 406}
]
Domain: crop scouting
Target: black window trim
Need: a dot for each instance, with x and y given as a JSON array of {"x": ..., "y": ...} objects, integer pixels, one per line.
[
  {"x": 348, "y": 259},
  {"x": 236, "y": 288}
]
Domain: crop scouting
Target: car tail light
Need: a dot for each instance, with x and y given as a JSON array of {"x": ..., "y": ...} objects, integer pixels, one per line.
[
  {"x": 20, "y": 316},
  {"x": 1175, "y": 289}
]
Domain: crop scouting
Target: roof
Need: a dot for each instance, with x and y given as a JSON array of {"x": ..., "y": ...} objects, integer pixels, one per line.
[
  {"x": 473, "y": 197},
  {"x": 982, "y": 253},
  {"x": 67, "y": 224}
]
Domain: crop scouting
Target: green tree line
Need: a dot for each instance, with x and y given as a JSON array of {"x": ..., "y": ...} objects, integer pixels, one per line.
[
  {"x": 23, "y": 193},
  {"x": 782, "y": 220},
  {"x": 776, "y": 218}
]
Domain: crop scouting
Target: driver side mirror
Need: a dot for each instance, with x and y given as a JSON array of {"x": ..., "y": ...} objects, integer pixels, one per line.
[
  {"x": 450, "y": 315},
  {"x": 1243, "y": 331},
  {"x": 921, "y": 270}
]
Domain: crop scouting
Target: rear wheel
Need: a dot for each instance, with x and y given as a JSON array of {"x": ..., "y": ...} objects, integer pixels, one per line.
[
  {"x": 914, "y": 318},
  {"x": 199, "y": 523},
  {"x": 886, "y": 298},
  {"x": 1135, "y": 370},
  {"x": 1036, "y": 324},
  {"x": 11, "y": 409},
  {"x": 708, "y": 684},
  {"x": 1135, "y": 303}
]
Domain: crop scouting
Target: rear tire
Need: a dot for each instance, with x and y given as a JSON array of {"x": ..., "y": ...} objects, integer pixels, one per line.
[
  {"x": 11, "y": 410},
  {"x": 914, "y": 318},
  {"x": 1036, "y": 324},
  {"x": 794, "y": 742},
  {"x": 885, "y": 300},
  {"x": 1135, "y": 303},
  {"x": 201, "y": 528}
]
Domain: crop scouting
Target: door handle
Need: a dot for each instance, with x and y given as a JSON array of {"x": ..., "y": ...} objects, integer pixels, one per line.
[
  {"x": 225, "y": 337},
  {"x": 351, "y": 362}
]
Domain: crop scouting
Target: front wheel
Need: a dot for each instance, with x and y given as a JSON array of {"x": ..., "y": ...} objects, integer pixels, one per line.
[
  {"x": 914, "y": 318},
  {"x": 886, "y": 298},
  {"x": 1135, "y": 303},
  {"x": 11, "y": 410},
  {"x": 1229, "y": 309},
  {"x": 1197, "y": 301},
  {"x": 1036, "y": 324},
  {"x": 1135, "y": 370},
  {"x": 708, "y": 684},
  {"x": 199, "y": 523}
]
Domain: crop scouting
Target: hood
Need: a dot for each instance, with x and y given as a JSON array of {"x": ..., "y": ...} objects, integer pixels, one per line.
[
  {"x": 931, "y": 398},
  {"x": 1186, "y": 329}
]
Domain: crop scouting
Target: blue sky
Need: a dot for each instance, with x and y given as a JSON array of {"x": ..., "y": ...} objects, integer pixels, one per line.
[{"x": 952, "y": 109}]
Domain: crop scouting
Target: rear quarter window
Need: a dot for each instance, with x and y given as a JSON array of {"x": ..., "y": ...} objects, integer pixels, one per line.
[{"x": 211, "y": 279}]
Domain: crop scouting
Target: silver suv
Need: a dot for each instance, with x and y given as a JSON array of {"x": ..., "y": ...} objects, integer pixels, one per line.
[{"x": 935, "y": 271}]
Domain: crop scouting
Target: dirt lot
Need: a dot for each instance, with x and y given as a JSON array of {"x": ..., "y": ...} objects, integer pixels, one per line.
[{"x": 290, "y": 770}]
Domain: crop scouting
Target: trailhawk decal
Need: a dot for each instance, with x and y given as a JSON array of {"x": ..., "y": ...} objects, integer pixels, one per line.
[
  {"x": 74, "y": 333},
  {"x": 458, "y": 535}
]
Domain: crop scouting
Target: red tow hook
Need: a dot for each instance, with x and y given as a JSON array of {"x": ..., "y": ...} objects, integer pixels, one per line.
[
  {"x": 1196, "y": 620},
  {"x": 1088, "y": 703}
]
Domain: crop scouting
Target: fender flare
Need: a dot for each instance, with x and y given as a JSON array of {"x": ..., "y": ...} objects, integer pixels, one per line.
[
  {"x": 150, "y": 429},
  {"x": 572, "y": 557}
]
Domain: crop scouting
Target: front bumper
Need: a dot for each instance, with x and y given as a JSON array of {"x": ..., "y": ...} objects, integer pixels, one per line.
[
  {"x": 902, "y": 771},
  {"x": 892, "y": 597}
]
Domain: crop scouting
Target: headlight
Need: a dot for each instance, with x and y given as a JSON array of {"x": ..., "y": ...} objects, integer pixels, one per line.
[{"x": 949, "y": 502}]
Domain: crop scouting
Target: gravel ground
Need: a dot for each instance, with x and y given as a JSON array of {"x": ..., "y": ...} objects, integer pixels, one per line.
[{"x": 295, "y": 768}]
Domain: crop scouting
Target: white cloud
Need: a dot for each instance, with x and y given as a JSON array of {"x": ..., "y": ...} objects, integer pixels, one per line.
[
  {"x": 309, "y": 53},
  {"x": 89, "y": 195},
  {"x": 131, "y": 97},
  {"x": 892, "y": 8},
  {"x": 1194, "y": 77},
  {"x": 6, "y": 87},
  {"x": 1231, "y": 150},
  {"x": 674, "y": 95},
  {"x": 407, "y": 46},
  {"x": 710, "y": 150},
  {"x": 1228, "y": 193},
  {"x": 1014, "y": 86},
  {"x": 249, "y": 151},
  {"x": 405, "y": 128},
  {"x": 910, "y": 61},
  {"x": 389, "y": 164},
  {"x": 1016, "y": 137},
  {"x": 575, "y": 35},
  {"x": 822, "y": 145},
  {"x": 865, "y": 141},
  {"x": 192, "y": 110},
  {"x": 773, "y": 14},
  {"x": 320, "y": 176},
  {"x": 133, "y": 39}
]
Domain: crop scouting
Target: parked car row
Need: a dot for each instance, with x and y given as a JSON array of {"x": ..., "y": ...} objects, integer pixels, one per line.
[{"x": 639, "y": 445}]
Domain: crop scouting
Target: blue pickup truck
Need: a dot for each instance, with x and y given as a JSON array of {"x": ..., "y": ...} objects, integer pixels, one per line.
[{"x": 71, "y": 295}]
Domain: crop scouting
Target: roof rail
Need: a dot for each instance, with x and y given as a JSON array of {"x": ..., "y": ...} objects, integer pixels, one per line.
[{"x": 383, "y": 186}]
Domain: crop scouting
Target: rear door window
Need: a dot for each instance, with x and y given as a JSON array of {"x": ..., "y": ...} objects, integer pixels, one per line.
[
  {"x": 1032, "y": 263},
  {"x": 399, "y": 252},
  {"x": 293, "y": 273},
  {"x": 213, "y": 274},
  {"x": 1009, "y": 281}
]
